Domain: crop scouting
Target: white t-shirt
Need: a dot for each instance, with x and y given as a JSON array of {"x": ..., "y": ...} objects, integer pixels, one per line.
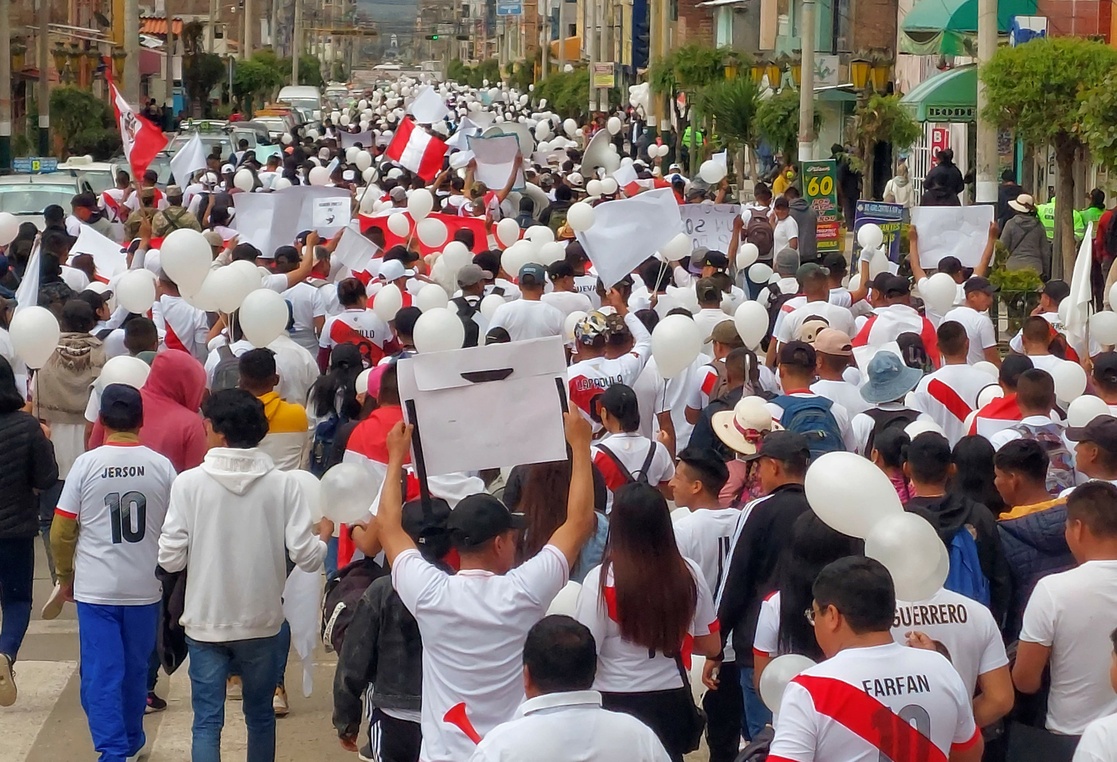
[
  {"x": 1099, "y": 742},
  {"x": 845, "y": 708},
  {"x": 979, "y": 329},
  {"x": 356, "y": 326},
  {"x": 789, "y": 323},
  {"x": 1045, "y": 362},
  {"x": 473, "y": 625},
  {"x": 631, "y": 449},
  {"x": 707, "y": 319},
  {"x": 527, "y": 319},
  {"x": 705, "y": 536},
  {"x": 1004, "y": 436},
  {"x": 118, "y": 494},
  {"x": 624, "y": 667},
  {"x": 1073, "y": 613},
  {"x": 948, "y": 396},
  {"x": 844, "y": 393},
  {"x": 766, "y": 641},
  {"x": 587, "y": 284},
  {"x": 964, "y": 626},
  {"x": 782, "y": 233},
  {"x": 181, "y": 325},
  {"x": 306, "y": 304},
  {"x": 651, "y": 396},
  {"x": 568, "y": 302}
]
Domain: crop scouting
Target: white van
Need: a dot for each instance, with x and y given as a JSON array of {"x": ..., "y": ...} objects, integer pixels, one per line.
[{"x": 302, "y": 97}]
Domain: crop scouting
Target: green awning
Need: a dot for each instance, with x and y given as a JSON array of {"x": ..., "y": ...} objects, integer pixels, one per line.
[
  {"x": 949, "y": 27},
  {"x": 950, "y": 96}
]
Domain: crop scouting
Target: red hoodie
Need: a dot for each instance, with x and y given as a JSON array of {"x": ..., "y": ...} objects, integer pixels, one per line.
[{"x": 172, "y": 396}]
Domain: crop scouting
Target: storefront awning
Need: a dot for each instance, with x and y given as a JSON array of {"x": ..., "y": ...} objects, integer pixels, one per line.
[
  {"x": 950, "y": 96},
  {"x": 949, "y": 27}
]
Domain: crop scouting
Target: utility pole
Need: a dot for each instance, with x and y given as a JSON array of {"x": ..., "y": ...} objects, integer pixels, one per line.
[
  {"x": 246, "y": 43},
  {"x": 545, "y": 48},
  {"x": 212, "y": 24},
  {"x": 591, "y": 49},
  {"x": 562, "y": 35},
  {"x": 806, "y": 82},
  {"x": 986, "y": 186},
  {"x": 296, "y": 43},
  {"x": 169, "y": 102},
  {"x": 5, "y": 87},
  {"x": 43, "y": 95},
  {"x": 131, "y": 90}
]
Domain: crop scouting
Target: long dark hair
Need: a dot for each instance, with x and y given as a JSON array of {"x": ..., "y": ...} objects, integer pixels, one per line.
[
  {"x": 973, "y": 476},
  {"x": 656, "y": 593},
  {"x": 540, "y": 492},
  {"x": 339, "y": 381},
  {"x": 10, "y": 398},
  {"x": 813, "y": 546}
]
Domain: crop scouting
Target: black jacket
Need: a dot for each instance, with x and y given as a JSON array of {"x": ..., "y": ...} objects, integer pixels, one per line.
[
  {"x": 382, "y": 648},
  {"x": 807, "y": 220},
  {"x": 752, "y": 567},
  {"x": 29, "y": 465},
  {"x": 1006, "y": 192},
  {"x": 1035, "y": 546},
  {"x": 950, "y": 513},
  {"x": 943, "y": 186}
]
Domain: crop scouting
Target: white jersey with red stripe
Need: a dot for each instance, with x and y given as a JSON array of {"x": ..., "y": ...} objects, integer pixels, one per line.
[
  {"x": 589, "y": 378},
  {"x": 887, "y": 323},
  {"x": 632, "y": 450},
  {"x": 949, "y": 395},
  {"x": 181, "y": 325},
  {"x": 873, "y": 703},
  {"x": 360, "y": 327}
]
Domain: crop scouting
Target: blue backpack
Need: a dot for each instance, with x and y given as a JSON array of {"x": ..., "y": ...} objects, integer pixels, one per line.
[
  {"x": 965, "y": 576},
  {"x": 812, "y": 417}
]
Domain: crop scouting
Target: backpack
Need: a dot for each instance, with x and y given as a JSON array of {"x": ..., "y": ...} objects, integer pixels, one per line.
[
  {"x": 776, "y": 300},
  {"x": 758, "y": 232},
  {"x": 343, "y": 593},
  {"x": 322, "y": 445},
  {"x": 965, "y": 576},
  {"x": 227, "y": 373},
  {"x": 812, "y": 417},
  {"x": 466, "y": 311},
  {"x": 557, "y": 219},
  {"x": 887, "y": 419},
  {"x": 1060, "y": 468},
  {"x": 642, "y": 474}
]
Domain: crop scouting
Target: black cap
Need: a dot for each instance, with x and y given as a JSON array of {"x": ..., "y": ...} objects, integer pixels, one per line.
[
  {"x": 783, "y": 445},
  {"x": 835, "y": 261},
  {"x": 977, "y": 283},
  {"x": 896, "y": 285},
  {"x": 478, "y": 519},
  {"x": 117, "y": 398},
  {"x": 950, "y": 265},
  {"x": 619, "y": 400},
  {"x": 881, "y": 281},
  {"x": 1101, "y": 431},
  {"x": 716, "y": 259},
  {"x": 797, "y": 354},
  {"x": 1105, "y": 367},
  {"x": 533, "y": 273},
  {"x": 1013, "y": 367},
  {"x": 428, "y": 525},
  {"x": 1056, "y": 290}
]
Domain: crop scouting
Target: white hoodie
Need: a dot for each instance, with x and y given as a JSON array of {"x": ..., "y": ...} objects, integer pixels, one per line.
[{"x": 231, "y": 523}]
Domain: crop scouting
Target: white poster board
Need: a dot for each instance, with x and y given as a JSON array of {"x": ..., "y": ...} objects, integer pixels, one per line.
[
  {"x": 627, "y": 231},
  {"x": 710, "y": 225},
  {"x": 496, "y": 157},
  {"x": 271, "y": 220},
  {"x": 951, "y": 231}
]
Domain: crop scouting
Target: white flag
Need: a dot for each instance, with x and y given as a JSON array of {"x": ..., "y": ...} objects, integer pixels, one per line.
[{"x": 188, "y": 159}]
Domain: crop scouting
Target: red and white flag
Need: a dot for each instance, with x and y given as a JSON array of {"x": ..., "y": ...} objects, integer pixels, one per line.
[
  {"x": 415, "y": 149},
  {"x": 141, "y": 139}
]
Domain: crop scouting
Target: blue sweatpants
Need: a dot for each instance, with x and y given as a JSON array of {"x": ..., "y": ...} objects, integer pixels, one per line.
[{"x": 115, "y": 645}]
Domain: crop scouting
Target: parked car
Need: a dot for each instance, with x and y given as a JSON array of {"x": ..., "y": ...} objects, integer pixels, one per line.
[{"x": 27, "y": 196}]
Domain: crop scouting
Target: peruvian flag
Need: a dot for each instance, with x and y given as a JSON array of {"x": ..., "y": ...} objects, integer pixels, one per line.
[
  {"x": 415, "y": 149},
  {"x": 141, "y": 139}
]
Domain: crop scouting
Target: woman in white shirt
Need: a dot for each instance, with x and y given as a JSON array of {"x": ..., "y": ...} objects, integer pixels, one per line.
[{"x": 648, "y": 609}]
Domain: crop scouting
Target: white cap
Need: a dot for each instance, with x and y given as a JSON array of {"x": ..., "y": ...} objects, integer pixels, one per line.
[{"x": 393, "y": 270}]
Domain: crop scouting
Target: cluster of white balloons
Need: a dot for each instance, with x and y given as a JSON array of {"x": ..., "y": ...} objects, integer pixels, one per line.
[{"x": 871, "y": 239}]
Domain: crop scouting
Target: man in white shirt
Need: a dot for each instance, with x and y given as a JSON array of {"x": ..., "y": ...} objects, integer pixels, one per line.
[
  {"x": 105, "y": 539},
  {"x": 529, "y": 317},
  {"x": 871, "y": 699},
  {"x": 563, "y": 296},
  {"x": 1095, "y": 449},
  {"x": 814, "y": 282},
  {"x": 181, "y": 325},
  {"x": 834, "y": 349},
  {"x": 473, "y": 681},
  {"x": 785, "y": 233},
  {"x": 308, "y": 311},
  {"x": 952, "y": 266},
  {"x": 949, "y": 394},
  {"x": 796, "y": 369},
  {"x": 974, "y": 316},
  {"x": 709, "y": 302},
  {"x": 592, "y": 371},
  {"x": 1070, "y": 616},
  {"x": 562, "y": 718},
  {"x": 785, "y": 264},
  {"x": 1052, "y": 295},
  {"x": 1036, "y": 336},
  {"x": 1099, "y": 741}
]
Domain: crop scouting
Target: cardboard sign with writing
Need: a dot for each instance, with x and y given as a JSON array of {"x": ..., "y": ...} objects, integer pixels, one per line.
[
  {"x": 958, "y": 231},
  {"x": 710, "y": 225},
  {"x": 820, "y": 188}
]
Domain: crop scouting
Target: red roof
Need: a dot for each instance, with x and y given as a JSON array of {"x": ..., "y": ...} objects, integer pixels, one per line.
[{"x": 157, "y": 26}]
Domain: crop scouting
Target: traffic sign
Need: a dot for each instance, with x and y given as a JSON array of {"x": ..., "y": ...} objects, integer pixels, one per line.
[{"x": 509, "y": 7}]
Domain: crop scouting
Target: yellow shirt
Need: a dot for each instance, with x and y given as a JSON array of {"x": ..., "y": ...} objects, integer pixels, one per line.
[
  {"x": 1021, "y": 511},
  {"x": 288, "y": 439}
]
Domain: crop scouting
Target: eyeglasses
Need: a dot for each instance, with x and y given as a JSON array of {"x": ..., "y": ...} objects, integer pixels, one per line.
[{"x": 810, "y": 615}]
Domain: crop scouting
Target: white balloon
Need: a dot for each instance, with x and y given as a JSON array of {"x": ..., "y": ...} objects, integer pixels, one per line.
[
  {"x": 1085, "y": 409},
  {"x": 939, "y": 293},
  {"x": 228, "y": 287},
  {"x": 280, "y": 183},
  {"x": 760, "y": 273},
  {"x": 539, "y": 234},
  {"x": 431, "y": 296},
  {"x": 676, "y": 342},
  {"x": 456, "y": 256},
  {"x": 593, "y": 188},
  {"x": 915, "y": 428},
  {"x": 432, "y": 232},
  {"x": 566, "y": 601},
  {"x": 987, "y": 395},
  {"x": 712, "y": 171},
  {"x": 34, "y": 334},
  {"x": 204, "y": 298},
  {"x": 850, "y": 493},
  {"x": 363, "y": 160},
  {"x": 677, "y": 248},
  {"x": 747, "y": 254},
  {"x": 123, "y": 369},
  {"x": 580, "y": 217},
  {"x": 911, "y": 550},
  {"x": 185, "y": 257},
  {"x": 420, "y": 203},
  {"x": 870, "y": 236},
  {"x": 507, "y": 232},
  {"x": 399, "y": 224},
  {"x": 244, "y": 180},
  {"x": 613, "y": 125},
  {"x": 987, "y": 367},
  {"x": 1070, "y": 380},
  {"x": 571, "y": 321},
  {"x": 439, "y": 330},
  {"x": 347, "y": 493},
  {"x": 1103, "y": 327},
  {"x": 570, "y": 127},
  {"x": 135, "y": 291},
  {"x": 878, "y": 263},
  {"x": 551, "y": 252},
  {"x": 776, "y": 676},
  {"x": 388, "y": 301},
  {"x": 319, "y": 176},
  {"x": 751, "y": 321},
  {"x": 311, "y": 489},
  {"x": 609, "y": 186},
  {"x": 9, "y": 228},
  {"x": 489, "y": 304},
  {"x": 351, "y": 154},
  {"x": 263, "y": 316}
]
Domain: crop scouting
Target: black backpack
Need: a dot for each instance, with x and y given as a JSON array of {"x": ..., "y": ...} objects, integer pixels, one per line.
[
  {"x": 758, "y": 232},
  {"x": 776, "y": 300},
  {"x": 641, "y": 475},
  {"x": 343, "y": 593},
  {"x": 466, "y": 311},
  {"x": 226, "y": 375},
  {"x": 887, "y": 419}
]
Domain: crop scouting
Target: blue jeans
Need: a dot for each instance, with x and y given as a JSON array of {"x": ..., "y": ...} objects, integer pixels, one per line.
[
  {"x": 115, "y": 645},
  {"x": 17, "y": 573},
  {"x": 209, "y": 669},
  {"x": 331, "y": 557},
  {"x": 756, "y": 714},
  {"x": 282, "y": 651}
]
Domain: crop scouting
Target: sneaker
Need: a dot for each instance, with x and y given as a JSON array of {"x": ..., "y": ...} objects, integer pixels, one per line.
[
  {"x": 233, "y": 689},
  {"x": 365, "y": 753},
  {"x": 279, "y": 702},
  {"x": 7, "y": 681},
  {"x": 154, "y": 704},
  {"x": 53, "y": 607}
]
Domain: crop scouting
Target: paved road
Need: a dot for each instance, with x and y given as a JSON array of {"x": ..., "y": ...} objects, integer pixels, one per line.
[{"x": 47, "y": 723}]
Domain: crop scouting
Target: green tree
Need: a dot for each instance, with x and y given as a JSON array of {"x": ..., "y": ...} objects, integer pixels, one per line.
[
  {"x": 777, "y": 122},
  {"x": 687, "y": 70},
  {"x": 255, "y": 80},
  {"x": 731, "y": 106},
  {"x": 82, "y": 123},
  {"x": 310, "y": 71},
  {"x": 201, "y": 71},
  {"x": 1037, "y": 90},
  {"x": 1099, "y": 121},
  {"x": 881, "y": 119},
  {"x": 566, "y": 93}
]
